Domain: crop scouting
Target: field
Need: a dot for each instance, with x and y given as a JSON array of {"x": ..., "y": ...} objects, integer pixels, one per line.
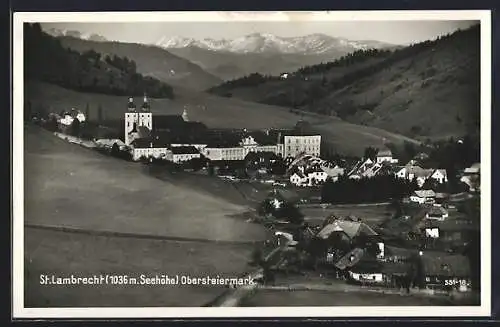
[
  {"x": 70, "y": 187},
  {"x": 216, "y": 112},
  {"x": 62, "y": 254}
]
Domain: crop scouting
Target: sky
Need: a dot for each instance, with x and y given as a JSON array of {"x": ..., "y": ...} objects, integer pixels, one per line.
[{"x": 395, "y": 32}]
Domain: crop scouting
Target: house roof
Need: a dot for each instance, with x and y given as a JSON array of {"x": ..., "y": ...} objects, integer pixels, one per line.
[
  {"x": 350, "y": 228},
  {"x": 437, "y": 211},
  {"x": 350, "y": 259},
  {"x": 384, "y": 153},
  {"x": 418, "y": 171},
  {"x": 184, "y": 150},
  {"x": 148, "y": 142},
  {"x": 262, "y": 138},
  {"x": 442, "y": 171},
  {"x": 425, "y": 193},
  {"x": 444, "y": 264}
]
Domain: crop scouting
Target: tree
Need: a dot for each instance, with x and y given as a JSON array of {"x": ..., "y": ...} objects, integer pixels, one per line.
[
  {"x": 87, "y": 112},
  {"x": 99, "y": 114},
  {"x": 370, "y": 153},
  {"x": 74, "y": 128}
]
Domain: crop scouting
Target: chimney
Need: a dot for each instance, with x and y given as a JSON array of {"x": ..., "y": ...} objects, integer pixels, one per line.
[{"x": 279, "y": 138}]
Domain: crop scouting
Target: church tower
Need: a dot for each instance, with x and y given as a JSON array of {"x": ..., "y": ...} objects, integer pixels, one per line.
[
  {"x": 145, "y": 116},
  {"x": 131, "y": 120}
]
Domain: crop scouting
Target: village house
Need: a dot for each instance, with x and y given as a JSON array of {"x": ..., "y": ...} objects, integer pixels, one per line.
[
  {"x": 366, "y": 168},
  {"x": 306, "y": 178},
  {"x": 423, "y": 196},
  {"x": 66, "y": 118},
  {"x": 385, "y": 155},
  {"x": 471, "y": 177}
]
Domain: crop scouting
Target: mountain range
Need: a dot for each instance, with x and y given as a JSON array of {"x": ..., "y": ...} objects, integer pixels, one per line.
[
  {"x": 77, "y": 34},
  {"x": 262, "y": 53},
  {"x": 313, "y": 44}
]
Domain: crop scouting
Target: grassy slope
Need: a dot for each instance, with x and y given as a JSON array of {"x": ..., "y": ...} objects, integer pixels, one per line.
[
  {"x": 407, "y": 96},
  {"x": 215, "y": 111},
  {"x": 66, "y": 185},
  {"x": 152, "y": 61},
  {"x": 436, "y": 89},
  {"x": 76, "y": 187}
]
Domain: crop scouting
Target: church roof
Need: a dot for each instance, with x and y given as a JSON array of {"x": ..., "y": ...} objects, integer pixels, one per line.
[
  {"x": 149, "y": 142},
  {"x": 168, "y": 122}
]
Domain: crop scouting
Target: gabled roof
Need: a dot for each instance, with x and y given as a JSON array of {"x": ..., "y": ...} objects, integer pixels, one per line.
[
  {"x": 350, "y": 259},
  {"x": 384, "y": 153},
  {"x": 262, "y": 138},
  {"x": 350, "y": 228},
  {"x": 425, "y": 193},
  {"x": 442, "y": 171}
]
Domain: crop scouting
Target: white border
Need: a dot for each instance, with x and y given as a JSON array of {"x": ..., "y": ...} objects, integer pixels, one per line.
[{"x": 18, "y": 151}]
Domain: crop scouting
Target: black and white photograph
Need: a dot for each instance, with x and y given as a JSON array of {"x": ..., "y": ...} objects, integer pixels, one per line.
[{"x": 240, "y": 164}]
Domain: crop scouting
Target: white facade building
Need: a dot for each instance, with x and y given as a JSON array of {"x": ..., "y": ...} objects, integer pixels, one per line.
[
  {"x": 294, "y": 145},
  {"x": 246, "y": 146},
  {"x": 150, "y": 152},
  {"x": 385, "y": 156},
  {"x": 423, "y": 196}
]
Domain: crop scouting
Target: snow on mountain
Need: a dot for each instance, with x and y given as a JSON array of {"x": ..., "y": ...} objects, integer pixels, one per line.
[
  {"x": 71, "y": 33},
  {"x": 269, "y": 43}
]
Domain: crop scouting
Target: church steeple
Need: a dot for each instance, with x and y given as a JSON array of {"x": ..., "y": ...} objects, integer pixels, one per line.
[
  {"x": 131, "y": 104},
  {"x": 145, "y": 104},
  {"x": 185, "y": 115}
]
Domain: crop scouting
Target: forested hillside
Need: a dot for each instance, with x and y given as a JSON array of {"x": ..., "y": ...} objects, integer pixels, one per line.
[
  {"x": 46, "y": 60},
  {"x": 429, "y": 89}
]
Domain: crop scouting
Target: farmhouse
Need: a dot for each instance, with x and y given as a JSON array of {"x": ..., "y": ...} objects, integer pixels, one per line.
[{"x": 423, "y": 196}]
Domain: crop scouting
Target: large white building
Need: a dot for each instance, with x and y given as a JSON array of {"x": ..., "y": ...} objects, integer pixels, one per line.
[
  {"x": 294, "y": 145},
  {"x": 140, "y": 138},
  {"x": 239, "y": 151}
]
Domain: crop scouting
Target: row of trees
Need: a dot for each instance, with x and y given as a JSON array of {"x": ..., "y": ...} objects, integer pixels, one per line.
[
  {"x": 365, "y": 190},
  {"x": 47, "y": 60}
]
